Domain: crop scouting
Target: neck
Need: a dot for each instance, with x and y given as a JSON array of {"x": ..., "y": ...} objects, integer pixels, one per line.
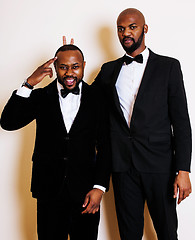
[{"x": 137, "y": 51}]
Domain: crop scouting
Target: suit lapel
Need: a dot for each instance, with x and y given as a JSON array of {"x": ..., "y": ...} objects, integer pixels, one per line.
[
  {"x": 114, "y": 94},
  {"x": 147, "y": 76},
  {"x": 117, "y": 68},
  {"x": 82, "y": 107},
  {"x": 150, "y": 67},
  {"x": 54, "y": 105},
  {"x": 148, "y": 73}
]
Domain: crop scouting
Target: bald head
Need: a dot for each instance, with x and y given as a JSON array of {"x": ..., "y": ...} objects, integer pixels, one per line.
[
  {"x": 134, "y": 13},
  {"x": 131, "y": 31}
]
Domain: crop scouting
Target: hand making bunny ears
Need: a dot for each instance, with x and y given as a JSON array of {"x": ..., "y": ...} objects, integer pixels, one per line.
[{"x": 64, "y": 40}]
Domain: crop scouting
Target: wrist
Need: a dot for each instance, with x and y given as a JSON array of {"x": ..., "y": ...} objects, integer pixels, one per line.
[
  {"x": 27, "y": 84},
  {"x": 181, "y": 172},
  {"x": 31, "y": 81}
]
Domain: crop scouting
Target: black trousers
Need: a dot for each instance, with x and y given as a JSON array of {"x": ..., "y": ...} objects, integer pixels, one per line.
[
  {"x": 131, "y": 190},
  {"x": 61, "y": 216}
]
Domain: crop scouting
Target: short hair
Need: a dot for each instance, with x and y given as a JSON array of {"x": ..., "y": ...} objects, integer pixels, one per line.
[{"x": 69, "y": 47}]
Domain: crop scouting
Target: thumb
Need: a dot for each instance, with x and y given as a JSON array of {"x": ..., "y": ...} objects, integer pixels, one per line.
[{"x": 175, "y": 190}]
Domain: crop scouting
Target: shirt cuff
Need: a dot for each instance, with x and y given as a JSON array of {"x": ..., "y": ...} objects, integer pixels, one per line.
[
  {"x": 23, "y": 92},
  {"x": 100, "y": 187}
]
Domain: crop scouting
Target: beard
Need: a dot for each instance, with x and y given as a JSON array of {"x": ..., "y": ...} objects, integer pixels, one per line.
[{"x": 135, "y": 44}]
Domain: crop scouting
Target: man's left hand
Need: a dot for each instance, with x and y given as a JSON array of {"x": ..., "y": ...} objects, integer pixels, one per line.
[
  {"x": 92, "y": 201},
  {"x": 64, "y": 40},
  {"x": 183, "y": 184}
]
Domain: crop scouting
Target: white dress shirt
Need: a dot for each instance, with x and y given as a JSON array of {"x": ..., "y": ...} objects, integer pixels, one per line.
[
  {"x": 69, "y": 107},
  {"x": 128, "y": 82}
]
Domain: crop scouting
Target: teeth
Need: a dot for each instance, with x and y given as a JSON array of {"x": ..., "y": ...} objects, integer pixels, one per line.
[{"x": 70, "y": 80}]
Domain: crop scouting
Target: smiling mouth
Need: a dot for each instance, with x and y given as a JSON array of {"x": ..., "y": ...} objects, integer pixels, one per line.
[{"x": 69, "y": 81}]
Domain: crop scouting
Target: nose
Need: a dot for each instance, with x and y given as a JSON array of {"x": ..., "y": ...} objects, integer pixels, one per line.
[
  {"x": 127, "y": 32},
  {"x": 68, "y": 72}
]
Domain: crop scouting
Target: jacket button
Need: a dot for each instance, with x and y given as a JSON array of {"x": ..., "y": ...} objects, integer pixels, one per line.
[
  {"x": 67, "y": 138},
  {"x": 65, "y": 159}
]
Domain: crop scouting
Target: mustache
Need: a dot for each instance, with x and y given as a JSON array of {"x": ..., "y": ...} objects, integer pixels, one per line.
[{"x": 128, "y": 38}]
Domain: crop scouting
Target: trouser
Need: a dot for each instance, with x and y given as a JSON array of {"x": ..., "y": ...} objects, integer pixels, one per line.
[
  {"x": 61, "y": 216},
  {"x": 131, "y": 190}
]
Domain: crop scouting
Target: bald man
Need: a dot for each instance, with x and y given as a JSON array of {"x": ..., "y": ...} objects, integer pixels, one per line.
[{"x": 150, "y": 132}]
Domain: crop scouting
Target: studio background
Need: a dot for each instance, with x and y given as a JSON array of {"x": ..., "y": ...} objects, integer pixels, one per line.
[{"x": 31, "y": 32}]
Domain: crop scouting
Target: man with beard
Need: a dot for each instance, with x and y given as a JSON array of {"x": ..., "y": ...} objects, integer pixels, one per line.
[
  {"x": 70, "y": 159},
  {"x": 150, "y": 132}
]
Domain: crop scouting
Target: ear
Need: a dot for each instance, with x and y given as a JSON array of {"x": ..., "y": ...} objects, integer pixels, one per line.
[
  {"x": 145, "y": 28},
  {"x": 84, "y": 64}
]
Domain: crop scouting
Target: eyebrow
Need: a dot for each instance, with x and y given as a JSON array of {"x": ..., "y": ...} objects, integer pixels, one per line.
[
  {"x": 72, "y": 64},
  {"x": 129, "y": 25}
]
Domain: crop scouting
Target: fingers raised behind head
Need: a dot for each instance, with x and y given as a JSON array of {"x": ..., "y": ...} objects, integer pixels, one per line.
[
  {"x": 64, "y": 40},
  {"x": 72, "y": 41}
]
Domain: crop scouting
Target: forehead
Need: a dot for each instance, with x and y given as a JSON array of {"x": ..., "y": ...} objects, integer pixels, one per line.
[
  {"x": 128, "y": 19},
  {"x": 69, "y": 57}
]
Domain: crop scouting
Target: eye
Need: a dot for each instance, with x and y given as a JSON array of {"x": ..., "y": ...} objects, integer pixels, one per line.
[
  {"x": 75, "y": 67},
  {"x": 120, "y": 29},
  {"x": 63, "y": 67},
  {"x": 133, "y": 27}
]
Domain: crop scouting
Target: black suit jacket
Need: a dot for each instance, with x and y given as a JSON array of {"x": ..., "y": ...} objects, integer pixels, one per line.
[
  {"x": 60, "y": 157},
  {"x": 159, "y": 136}
]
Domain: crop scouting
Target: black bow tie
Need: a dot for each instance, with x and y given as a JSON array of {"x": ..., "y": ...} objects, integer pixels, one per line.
[
  {"x": 128, "y": 60},
  {"x": 66, "y": 91}
]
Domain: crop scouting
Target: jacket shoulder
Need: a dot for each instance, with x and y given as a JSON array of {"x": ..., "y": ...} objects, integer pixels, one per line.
[
  {"x": 163, "y": 58},
  {"x": 113, "y": 63}
]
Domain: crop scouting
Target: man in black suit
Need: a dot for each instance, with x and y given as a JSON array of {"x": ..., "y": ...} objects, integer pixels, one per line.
[
  {"x": 70, "y": 159},
  {"x": 150, "y": 132}
]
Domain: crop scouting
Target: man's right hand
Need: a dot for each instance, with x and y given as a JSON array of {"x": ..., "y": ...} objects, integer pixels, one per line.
[{"x": 41, "y": 72}]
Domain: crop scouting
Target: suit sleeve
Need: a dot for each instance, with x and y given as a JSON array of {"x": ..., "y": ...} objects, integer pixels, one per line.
[
  {"x": 179, "y": 116},
  {"x": 99, "y": 79},
  {"x": 103, "y": 162},
  {"x": 18, "y": 112}
]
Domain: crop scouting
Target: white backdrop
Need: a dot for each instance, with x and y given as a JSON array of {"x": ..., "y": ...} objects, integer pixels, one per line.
[{"x": 31, "y": 32}]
